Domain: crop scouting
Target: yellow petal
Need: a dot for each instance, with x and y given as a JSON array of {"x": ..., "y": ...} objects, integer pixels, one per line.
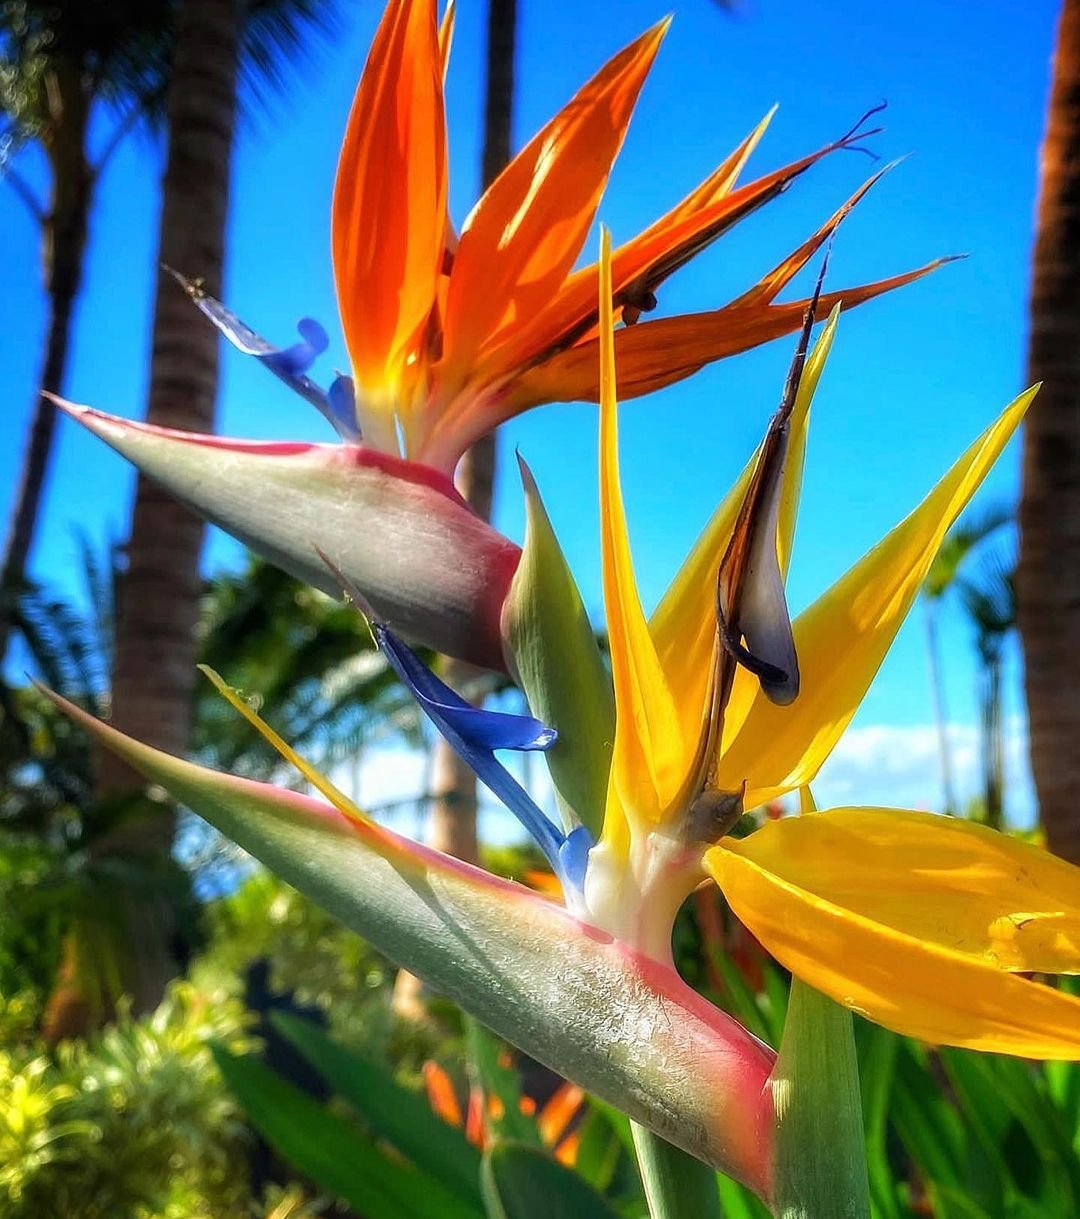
[
  {"x": 842, "y": 638},
  {"x": 684, "y": 624},
  {"x": 321, "y": 784},
  {"x": 914, "y": 987},
  {"x": 648, "y": 761},
  {"x": 940, "y": 880},
  {"x": 390, "y": 200}
]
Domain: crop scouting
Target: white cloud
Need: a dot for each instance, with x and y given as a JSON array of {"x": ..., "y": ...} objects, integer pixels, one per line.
[
  {"x": 391, "y": 781},
  {"x": 899, "y": 766},
  {"x": 874, "y": 764}
]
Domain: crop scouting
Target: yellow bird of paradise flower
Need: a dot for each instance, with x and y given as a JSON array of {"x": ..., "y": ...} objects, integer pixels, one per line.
[{"x": 922, "y": 923}]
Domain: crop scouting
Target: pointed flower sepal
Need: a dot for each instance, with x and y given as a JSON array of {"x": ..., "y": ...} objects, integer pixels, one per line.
[
  {"x": 399, "y": 531},
  {"x": 617, "y": 1023}
]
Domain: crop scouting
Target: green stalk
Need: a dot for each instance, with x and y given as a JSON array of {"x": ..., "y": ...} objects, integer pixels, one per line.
[
  {"x": 677, "y": 1185},
  {"x": 820, "y": 1147}
]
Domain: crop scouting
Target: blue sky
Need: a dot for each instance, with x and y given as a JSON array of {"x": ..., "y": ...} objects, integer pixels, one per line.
[{"x": 912, "y": 378}]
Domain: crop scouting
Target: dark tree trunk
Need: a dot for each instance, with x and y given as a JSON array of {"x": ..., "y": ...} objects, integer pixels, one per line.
[
  {"x": 1049, "y": 569},
  {"x": 453, "y": 812},
  {"x": 154, "y": 671},
  {"x": 452, "y": 826},
  {"x": 64, "y": 233}
]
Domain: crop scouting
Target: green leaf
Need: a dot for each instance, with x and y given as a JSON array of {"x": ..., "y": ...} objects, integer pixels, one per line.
[
  {"x": 500, "y": 1081},
  {"x": 523, "y": 1182},
  {"x": 599, "y": 1149},
  {"x": 1003, "y": 1097},
  {"x": 557, "y": 663},
  {"x": 927, "y": 1124},
  {"x": 820, "y": 1151},
  {"x": 332, "y": 1152},
  {"x": 401, "y": 1117},
  {"x": 676, "y": 1185},
  {"x": 622, "y": 1026},
  {"x": 877, "y": 1059},
  {"x": 741, "y": 1000},
  {"x": 737, "y": 1202}
]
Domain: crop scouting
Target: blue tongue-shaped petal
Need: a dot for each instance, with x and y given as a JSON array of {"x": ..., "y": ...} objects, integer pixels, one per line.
[
  {"x": 483, "y": 729},
  {"x": 471, "y": 732},
  {"x": 474, "y": 734},
  {"x": 288, "y": 364}
]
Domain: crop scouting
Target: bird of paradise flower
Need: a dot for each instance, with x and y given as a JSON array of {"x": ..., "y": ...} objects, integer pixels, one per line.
[{"x": 451, "y": 334}]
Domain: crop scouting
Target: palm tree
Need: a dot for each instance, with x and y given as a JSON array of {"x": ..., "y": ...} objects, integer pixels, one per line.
[
  {"x": 60, "y": 64},
  {"x": 452, "y": 822},
  {"x": 321, "y": 681},
  {"x": 453, "y": 784},
  {"x": 966, "y": 536},
  {"x": 1048, "y": 577},
  {"x": 153, "y": 675},
  {"x": 990, "y": 599}
]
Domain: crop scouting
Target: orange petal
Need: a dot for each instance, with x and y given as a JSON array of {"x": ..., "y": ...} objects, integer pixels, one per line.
[
  {"x": 441, "y": 1095},
  {"x": 559, "y": 1112},
  {"x": 941, "y": 880},
  {"x": 528, "y": 228},
  {"x": 651, "y": 355},
  {"x": 769, "y": 286},
  {"x": 640, "y": 265},
  {"x": 918, "y": 988},
  {"x": 390, "y": 198}
]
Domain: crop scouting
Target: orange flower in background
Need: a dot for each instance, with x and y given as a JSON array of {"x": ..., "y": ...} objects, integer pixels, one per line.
[
  {"x": 554, "y": 1118},
  {"x": 450, "y": 336}
]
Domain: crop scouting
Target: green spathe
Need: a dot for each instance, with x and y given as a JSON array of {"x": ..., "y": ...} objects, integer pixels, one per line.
[{"x": 553, "y": 652}]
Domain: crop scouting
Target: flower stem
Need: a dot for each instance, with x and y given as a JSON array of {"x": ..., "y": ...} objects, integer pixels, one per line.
[
  {"x": 820, "y": 1164},
  {"x": 677, "y": 1185}
]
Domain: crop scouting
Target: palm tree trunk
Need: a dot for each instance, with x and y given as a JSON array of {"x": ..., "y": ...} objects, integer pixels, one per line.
[
  {"x": 1049, "y": 569},
  {"x": 452, "y": 822},
  {"x": 64, "y": 233},
  {"x": 991, "y": 744},
  {"x": 941, "y": 718},
  {"x": 154, "y": 670},
  {"x": 453, "y": 811}
]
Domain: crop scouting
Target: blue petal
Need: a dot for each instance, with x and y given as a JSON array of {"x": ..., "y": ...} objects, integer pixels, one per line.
[
  {"x": 289, "y": 364},
  {"x": 474, "y": 734},
  {"x": 341, "y": 401},
  {"x": 484, "y": 729},
  {"x": 574, "y": 856}
]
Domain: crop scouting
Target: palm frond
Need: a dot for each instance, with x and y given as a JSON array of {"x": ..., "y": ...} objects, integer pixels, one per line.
[{"x": 967, "y": 535}]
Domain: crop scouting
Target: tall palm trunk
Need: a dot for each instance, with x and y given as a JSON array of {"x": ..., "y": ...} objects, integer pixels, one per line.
[
  {"x": 159, "y": 599},
  {"x": 453, "y": 812},
  {"x": 452, "y": 821},
  {"x": 64, "y": 232},
  {"x": 937, "y": 691},
  {"x": 993, "y": 743},
  {"x": 1049, "y": 570}
]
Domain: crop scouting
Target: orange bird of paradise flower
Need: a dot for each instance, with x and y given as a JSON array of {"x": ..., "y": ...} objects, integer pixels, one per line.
[{"x": 451, "y": 335}]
